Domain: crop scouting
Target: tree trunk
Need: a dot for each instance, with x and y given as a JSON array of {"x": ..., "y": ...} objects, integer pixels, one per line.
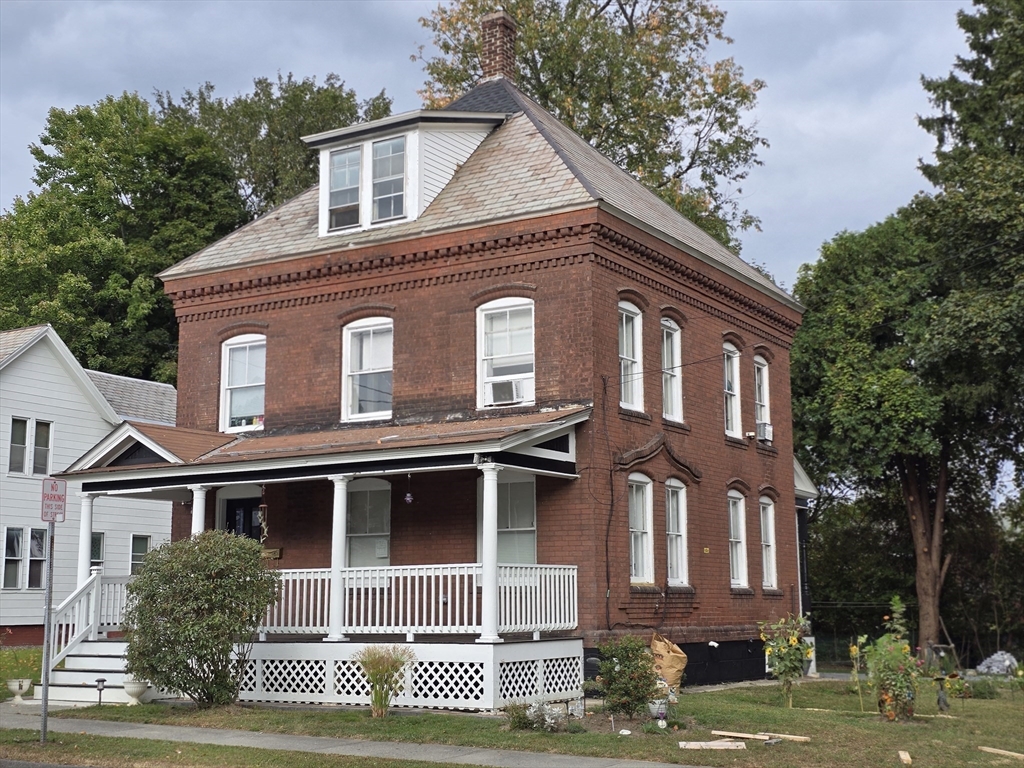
[{"x": 926, "y": 508}]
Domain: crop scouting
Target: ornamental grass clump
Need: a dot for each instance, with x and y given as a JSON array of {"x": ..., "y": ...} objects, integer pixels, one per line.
[
  {"x": 384, "y": 667},
  {"x": 785, "y": 651},
  {"x": 892, "y": 667}
]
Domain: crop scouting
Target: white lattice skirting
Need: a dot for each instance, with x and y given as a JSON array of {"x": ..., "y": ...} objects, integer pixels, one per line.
[{"x": 444, "y": 676}]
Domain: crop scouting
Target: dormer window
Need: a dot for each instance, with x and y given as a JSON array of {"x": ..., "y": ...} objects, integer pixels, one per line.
[
  {"x": 344, "y": 204},
  {"x": 389, "y": 179}
]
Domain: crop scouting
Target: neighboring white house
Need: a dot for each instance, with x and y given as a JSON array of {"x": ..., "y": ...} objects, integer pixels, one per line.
[{"x": 52, "y": 410}]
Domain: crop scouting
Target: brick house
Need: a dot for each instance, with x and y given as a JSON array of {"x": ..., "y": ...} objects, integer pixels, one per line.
[{"x": 482, "y": 391}]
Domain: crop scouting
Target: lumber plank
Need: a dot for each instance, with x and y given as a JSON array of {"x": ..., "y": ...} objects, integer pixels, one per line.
[
  {"x": 722, "y": 744},
  {"x": 1003, "y": 752},
  {"x": 905, "y": 757},
  {"x": 734, "y": 735},
  {"x": 785, "y": 736}
]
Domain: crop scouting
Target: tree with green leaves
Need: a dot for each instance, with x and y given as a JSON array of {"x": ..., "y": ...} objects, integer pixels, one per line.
[
  {"x": 193, "y": 610},
  {"x": 633, "y": 78},
  {"x": 262, "y": 131},
  {"x": 122, "y": 196},
  {"x": 909, "y": 365}
]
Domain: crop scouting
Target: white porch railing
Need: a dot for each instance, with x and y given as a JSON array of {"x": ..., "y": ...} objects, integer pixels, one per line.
[
  {"x": 113, "y": 597},
  {"x": 426, "y": 599},
  {"x": 75, "y": 620}
]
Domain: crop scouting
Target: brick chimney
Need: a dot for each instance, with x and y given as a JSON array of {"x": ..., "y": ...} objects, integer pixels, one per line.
[{"x": 498, "y": 46}]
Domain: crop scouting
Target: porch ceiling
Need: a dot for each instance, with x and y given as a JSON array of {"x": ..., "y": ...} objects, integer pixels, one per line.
[{"x": 265, "y": 457}]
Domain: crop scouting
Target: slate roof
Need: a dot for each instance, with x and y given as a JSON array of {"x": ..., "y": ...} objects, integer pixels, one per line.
[
  {"x": 136, "y": 399},
  {"x": 528, "y": 166},
  {"x": 12, "y": 342}
]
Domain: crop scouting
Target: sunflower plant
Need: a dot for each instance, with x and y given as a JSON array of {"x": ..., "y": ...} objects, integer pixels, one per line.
[
  {"x": 785, "y": 651},
  {"x": 892, "y": 667}
]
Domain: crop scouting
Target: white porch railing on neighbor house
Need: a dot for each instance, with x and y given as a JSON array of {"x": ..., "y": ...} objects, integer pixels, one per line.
[
  {"x": 425, "y": 599},
  {"x": 113, "y": 597},
  {"x": 75, "y": 619}
]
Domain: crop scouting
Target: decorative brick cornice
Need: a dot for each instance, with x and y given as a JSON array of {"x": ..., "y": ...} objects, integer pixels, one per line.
[{"x": 627, "y": 245}]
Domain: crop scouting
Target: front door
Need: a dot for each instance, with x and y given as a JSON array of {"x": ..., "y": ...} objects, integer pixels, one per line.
[{"x": 242, "y": 517}]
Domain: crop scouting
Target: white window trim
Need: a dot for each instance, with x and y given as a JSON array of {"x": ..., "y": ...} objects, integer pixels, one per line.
[
  {"x": 404, "y": 177},
  {"x": 769, "y": 559},
  {"x": 412, "y": 184},
  {"x": 366, "y": 484},
  {"x": 29, "y": 449},
  {"x": 677, "y": 541},
  {"x": 29, "y": 558},
  {"x": 731, "y": 368},
  {"x": 103, "y": 549},
  {"x": 367, "y": 323},
  {"x": 244, "y": 339},
  {"x": 646, "y": 574},
  {"x": 529, "y": 382},
  {"x": 671, "y": 370},
  {"x": 505, "y": 477},
  {"x": 220, "y": 520},
  {"x": 738, "y": 546},
  {"x": 762, "y": 410},
  {"x": 631, "y": 370}
]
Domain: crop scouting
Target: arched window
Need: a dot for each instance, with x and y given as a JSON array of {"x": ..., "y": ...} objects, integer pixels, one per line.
[
  {"x": 369, "y": 523},
  {"x": 631, "y": 382},
  {"x": 769, "y": 577},
  {"x": 641, "y": 519},
  {"x": 731, "y": 363},
  {"x": 243, "y": 382},
  {"x": 737, "y": 540},
  {"x": 671, "y": 370},
  {"x": 505, "y": 358},
  {"x": 675, "y": 528},
  {"x": 367, "y": 353},
  {"x": 762, "y": 411}
]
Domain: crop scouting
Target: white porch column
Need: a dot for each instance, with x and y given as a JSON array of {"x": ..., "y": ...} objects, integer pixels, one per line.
[
  {"x": 339, "y": 558},
  {"x": 85, "y": 538},
  {"x": 489, "y": 581},
  {"x": 198, "y": 508}
]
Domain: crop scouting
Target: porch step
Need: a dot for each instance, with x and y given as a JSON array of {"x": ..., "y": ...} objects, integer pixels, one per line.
[{"x": 92, "y": 659}]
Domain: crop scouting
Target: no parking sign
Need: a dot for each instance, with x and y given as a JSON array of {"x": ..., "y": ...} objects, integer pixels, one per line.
[{"x": 55, "y": 496}]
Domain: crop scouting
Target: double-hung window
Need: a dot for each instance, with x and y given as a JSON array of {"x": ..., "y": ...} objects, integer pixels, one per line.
[
  {"x": 389, "y": 179},
  {"x": 369, "y": 523},
  {"x": 140, "y": 548},
  {"x": 671, "y": 370},
  {"x": 517, "y": 521},
  {"x": 36, "y": 558},
  {"x": 762, "y": 414},
  {"x": 631, "y": 384},
  {"x": 675, "y": 527},
  {"x": 505, "y": 372},
  {"x": 243, "y": 382},
  {"x": 731, "y": 366},
  {"x": 96, "y": 554},
  {"x": 641, "y": 519},
  {"x": 343, "y": 207},
  {"x": 13, "y": 543},
  {"x": 367, "y": 356},
  {"x": 769, "y": 578},
  {"x": 26, "y": 432},
  {"x": 737, "y": 540}
]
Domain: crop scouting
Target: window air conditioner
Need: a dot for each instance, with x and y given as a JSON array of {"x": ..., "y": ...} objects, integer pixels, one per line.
[
  {"x": 504, "y": 392},
  {"x": 764, "y": 431}
]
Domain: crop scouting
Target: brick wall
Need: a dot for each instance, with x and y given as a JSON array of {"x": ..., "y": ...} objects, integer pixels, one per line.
[{"x": 575, "y": 267}]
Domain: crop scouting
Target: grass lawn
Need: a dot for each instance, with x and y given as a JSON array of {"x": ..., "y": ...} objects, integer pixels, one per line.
[
  {"x": 78, "y": 749},
  {"x": 841, "y": 736}
]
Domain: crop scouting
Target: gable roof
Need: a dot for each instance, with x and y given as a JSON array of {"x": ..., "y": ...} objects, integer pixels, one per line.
[
  {"x": 137, "y": 399},
  {"x": 14, "y": 342},
  {"x": 530, "y": 165}
]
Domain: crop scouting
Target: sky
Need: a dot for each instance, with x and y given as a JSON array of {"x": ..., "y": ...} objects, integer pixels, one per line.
[{"x": 839, "y": 111}]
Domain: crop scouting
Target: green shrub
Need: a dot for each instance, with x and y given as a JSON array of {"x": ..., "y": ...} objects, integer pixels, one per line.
[
  {"x": 983, "y": 688},
  {"x": 627, "y": 676},
  {"x": 892, "y": 668},
  {"x": 192, "y": 612},
  {"x": 517, "y": 716},
  {"x": 384, "y": 667}
]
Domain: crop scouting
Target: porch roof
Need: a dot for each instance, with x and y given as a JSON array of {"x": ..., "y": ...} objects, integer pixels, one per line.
[{"x": 215, "y": 458}]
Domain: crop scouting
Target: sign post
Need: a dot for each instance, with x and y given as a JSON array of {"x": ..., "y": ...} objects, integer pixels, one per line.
[{"x": 54, "y": 501}]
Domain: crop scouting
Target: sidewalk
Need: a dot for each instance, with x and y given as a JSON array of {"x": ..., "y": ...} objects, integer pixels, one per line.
[{"x": 26, "y": 716}]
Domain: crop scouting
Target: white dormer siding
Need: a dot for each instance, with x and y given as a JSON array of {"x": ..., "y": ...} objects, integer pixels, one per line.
[{"x": 435, "y": 145}]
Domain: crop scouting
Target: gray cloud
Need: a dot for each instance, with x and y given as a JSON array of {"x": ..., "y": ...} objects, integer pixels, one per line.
[{"x": 839, "y": 110}]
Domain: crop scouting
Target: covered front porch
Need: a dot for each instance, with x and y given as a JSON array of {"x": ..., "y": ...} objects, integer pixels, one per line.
[{"x": 484, "y": 632}]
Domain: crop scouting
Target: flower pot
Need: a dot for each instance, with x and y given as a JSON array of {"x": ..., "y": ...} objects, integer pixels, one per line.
[
  {"x": 135, "y": 690},
  {"x": 18, "y": 686}
]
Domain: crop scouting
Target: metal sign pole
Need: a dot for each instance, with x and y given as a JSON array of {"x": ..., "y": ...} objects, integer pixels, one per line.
[{"x": 47, "y": 631}]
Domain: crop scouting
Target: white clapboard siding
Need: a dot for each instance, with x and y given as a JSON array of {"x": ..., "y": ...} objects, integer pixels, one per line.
[
  {"x": 37, "y": 386},
  {"x": 443, "y": 152}
]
